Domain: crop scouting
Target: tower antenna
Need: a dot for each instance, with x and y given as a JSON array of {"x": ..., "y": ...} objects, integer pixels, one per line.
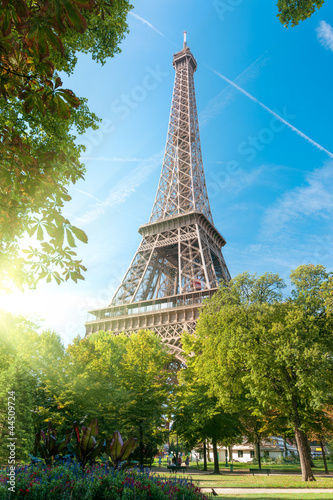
[{"x": 185, "y": 44}]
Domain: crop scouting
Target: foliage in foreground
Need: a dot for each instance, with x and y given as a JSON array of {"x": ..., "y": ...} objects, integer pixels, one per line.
[
  {"x": 39, "y": 120},
  {"x": 291, "y": 12},
  {"x": 69, "y": 481},
  {"x": 124, "y": 382}
]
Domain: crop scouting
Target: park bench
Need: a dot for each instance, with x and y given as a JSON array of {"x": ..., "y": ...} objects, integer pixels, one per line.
[
  {"x": 260, "y": 471},
  {"x": 174, "y": 468}
]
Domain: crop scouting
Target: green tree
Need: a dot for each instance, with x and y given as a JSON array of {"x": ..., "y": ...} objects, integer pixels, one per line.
[
  {"x": 42, "y": 354},
  {"x": 291, "y": 12},
  {"x": 144, "y": 374},
  {"x": 17, "y": 392},
  {"x": 278, "y": 353},
  {"x": 198, "y": 416},
  {"x": 39, "y": 121},
  {"x": 121, "y": 380},
  {"x": 88, "y": 384}
]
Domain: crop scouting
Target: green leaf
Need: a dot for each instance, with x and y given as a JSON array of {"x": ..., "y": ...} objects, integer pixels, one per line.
[
  {"x": 70, "y": 97},
  {"x": 7, "y": 22},
  {"x": 81, "y": 235},
  {"x": 63, "y": 109},
  {"x": 54, "y": 40},
  {"x": 127, "y": 448},
  {"x": 75, "y": 18},
  {"x": 116, "y": 445},
  {"x": 40, "y": 233},
  {"x": 88, "y": 442},
  {"x": 31, "y": 230},
  {"x": 29, "y": 102},
  {"x": 70, "y": 238}
]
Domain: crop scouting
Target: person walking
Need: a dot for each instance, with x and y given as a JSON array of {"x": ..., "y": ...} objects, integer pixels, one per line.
[
  {"x": 187, "y": 461},
  {"x": 159, "y": 461}
]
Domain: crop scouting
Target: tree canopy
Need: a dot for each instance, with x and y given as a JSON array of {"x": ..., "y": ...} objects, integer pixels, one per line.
[
  {"x": 39, "y": 123},
  {"x": 291, "y": 12},
  {"x": 277, "y": 352},
  {"x": 123, "y": 381}
]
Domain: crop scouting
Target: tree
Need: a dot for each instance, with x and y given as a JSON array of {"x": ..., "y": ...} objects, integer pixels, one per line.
[
  {"x": 87, "y": 384},
  {"x": 39, "y": 120},
  {"x": 121, "y": 380},
  {"x": 198, "y": 416},
  {"x": 278, "y": 353},
  {"x": 144, "y": 374},
  {"x": 294, "y": 11},
  {"x": 41, "y": 355},
  {"x": 16, "y": 416},
  {"x": 326, "y": 292}
]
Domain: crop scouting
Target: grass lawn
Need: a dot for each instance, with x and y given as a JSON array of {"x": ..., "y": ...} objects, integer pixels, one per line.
[
  {"x": 284, "y": 496},
  {"x": 247, "y": 481},
  {"x": 319, "y": 466}
]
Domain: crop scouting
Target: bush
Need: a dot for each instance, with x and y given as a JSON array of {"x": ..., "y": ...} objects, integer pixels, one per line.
[
  {"x": 290, "y": 459},
  {"x": 268, "y": 460},
  {"x": 68, "y": 481}
]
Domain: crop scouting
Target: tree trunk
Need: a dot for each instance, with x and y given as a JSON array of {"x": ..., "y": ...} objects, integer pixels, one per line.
[
  {"x": 230, "y": 455},
  {"x": 296, "y": 446},
  {"x": 208, "y": 456},
  {"x": 216, "y": 458},
  {"x": 312, "y": 464},
  {"x": 285, "y": 446},
  {"x": 302, "y": 445},
  {"x": 258, "y": 450},
  {"x": 204, "y": 455},
  {"x": 141, "y": 446},
  {"x": 324, "y": 454}
]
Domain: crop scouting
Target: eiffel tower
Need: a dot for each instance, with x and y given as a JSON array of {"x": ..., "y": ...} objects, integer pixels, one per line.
[{"x": 179, "y": 261}]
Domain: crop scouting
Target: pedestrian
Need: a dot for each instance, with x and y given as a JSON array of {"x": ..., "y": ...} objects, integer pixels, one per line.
[
  {"x": 179, "y": 459},
  {"x": 187, "y": 461},
  {"x": 174, "y": 459},
  {"x": 159, "y": 461}
]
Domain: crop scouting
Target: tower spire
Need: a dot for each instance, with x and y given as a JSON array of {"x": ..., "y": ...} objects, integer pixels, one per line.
[
  {"x": 184, "y": 44},
  {"x": 182, "y": 185}
]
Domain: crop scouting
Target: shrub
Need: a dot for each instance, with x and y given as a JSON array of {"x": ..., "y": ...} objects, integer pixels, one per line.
[
  {"x": 290, "y": 459},
  {"x": 69, "y": 481}
]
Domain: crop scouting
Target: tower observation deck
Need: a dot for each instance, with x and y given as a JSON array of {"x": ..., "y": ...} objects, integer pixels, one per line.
[{"x": 179, "y": 261}]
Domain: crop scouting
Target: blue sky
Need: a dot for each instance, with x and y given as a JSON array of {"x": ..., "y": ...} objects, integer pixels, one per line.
[{"x": 270, "y": 181}]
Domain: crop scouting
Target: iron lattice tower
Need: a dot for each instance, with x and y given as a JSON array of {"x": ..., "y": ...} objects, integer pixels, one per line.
[{"x": 179, "y": 261}]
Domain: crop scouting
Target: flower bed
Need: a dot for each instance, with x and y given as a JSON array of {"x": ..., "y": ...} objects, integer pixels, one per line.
[{"x": 96, "y": 483}]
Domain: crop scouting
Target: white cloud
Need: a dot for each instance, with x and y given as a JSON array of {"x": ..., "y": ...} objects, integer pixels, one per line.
[
  {"x": 123, "y": 190},
  {"x": 325, "y": 35},
  {"x": 312, "y": 200}
]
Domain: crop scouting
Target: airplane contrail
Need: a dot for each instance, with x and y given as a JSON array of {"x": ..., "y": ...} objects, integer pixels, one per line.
[
  {"x": 215, "y": 104},
  {"x": 298, "y": 132},
  {"x": 148, "y": 24}
]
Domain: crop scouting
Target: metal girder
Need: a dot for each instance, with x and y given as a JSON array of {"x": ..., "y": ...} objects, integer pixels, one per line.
[
  {"x": 180, "y": 252},
  {"x": 182, "y": 186}
]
